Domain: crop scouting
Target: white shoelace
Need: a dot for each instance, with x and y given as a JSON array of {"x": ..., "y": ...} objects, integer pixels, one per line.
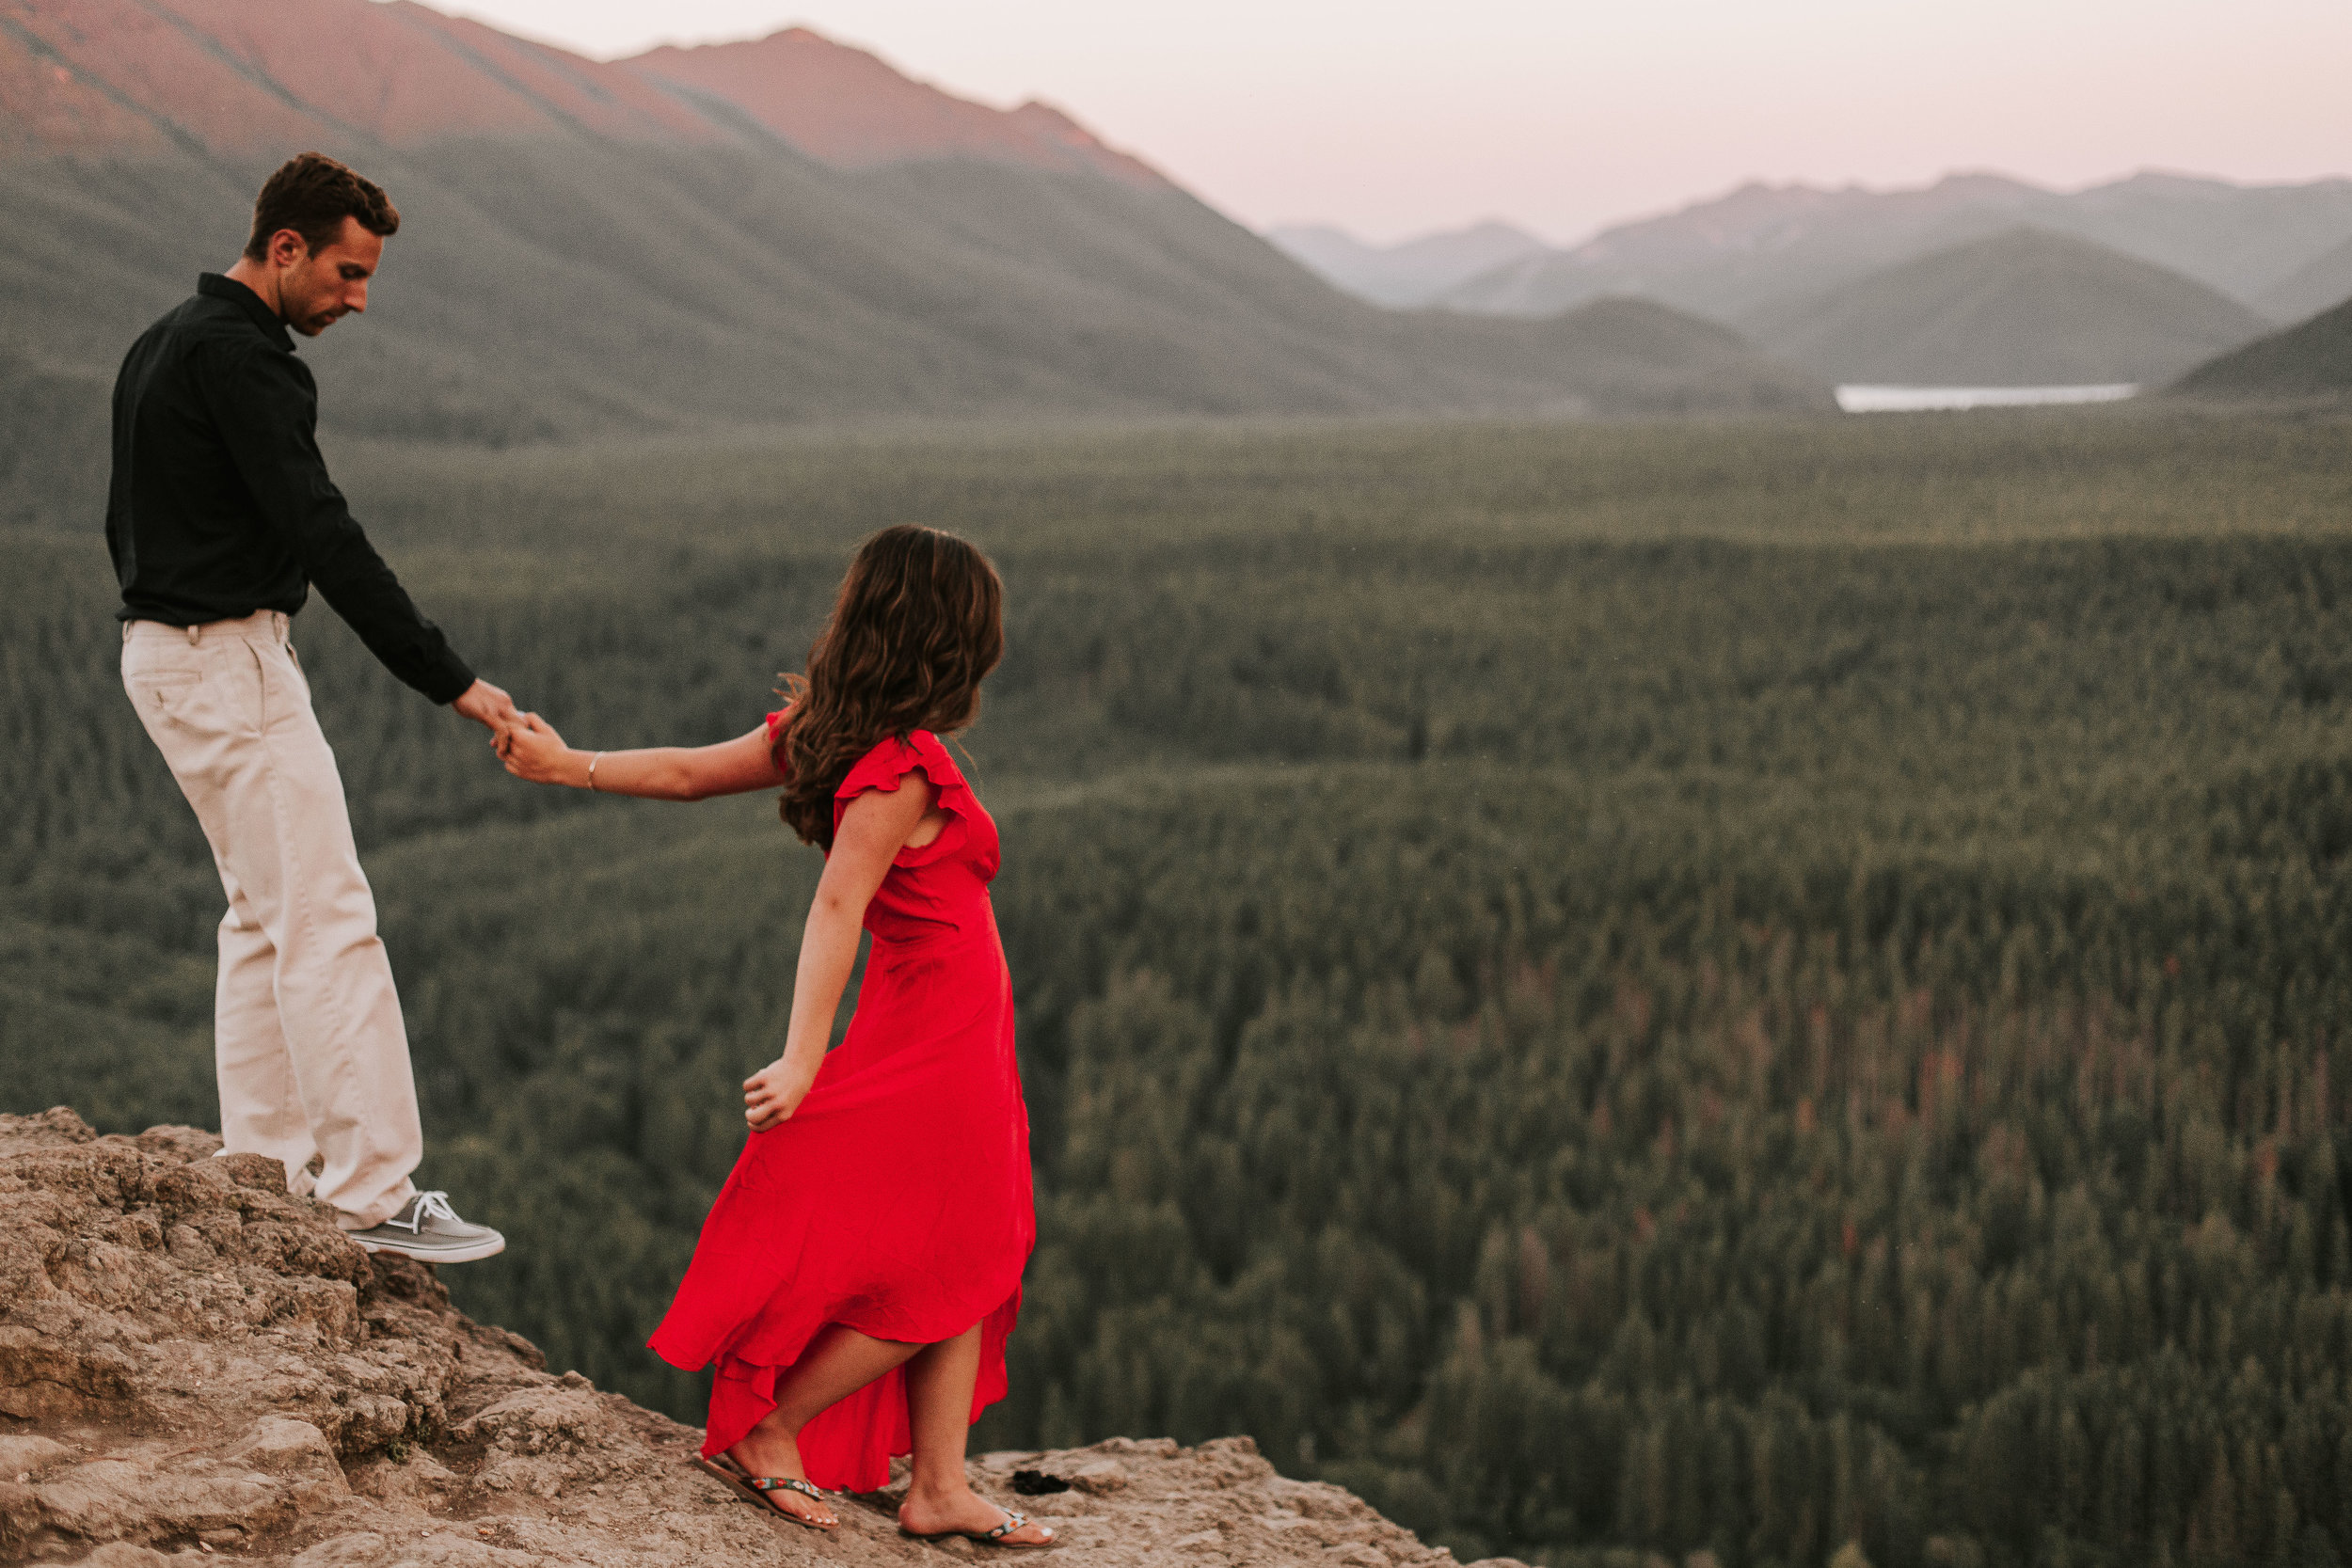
[{"x": 429, "y": 1205}]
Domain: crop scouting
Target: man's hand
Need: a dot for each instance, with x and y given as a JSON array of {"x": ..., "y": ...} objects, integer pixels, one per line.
[{"x": 487, "y": 707}]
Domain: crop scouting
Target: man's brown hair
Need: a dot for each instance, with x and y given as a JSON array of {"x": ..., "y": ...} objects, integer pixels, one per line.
[{"x": 311, "y": 195}]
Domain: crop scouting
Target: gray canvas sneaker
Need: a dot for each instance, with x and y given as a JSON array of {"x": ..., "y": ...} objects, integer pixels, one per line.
[{"x": 428, "y": 1230}]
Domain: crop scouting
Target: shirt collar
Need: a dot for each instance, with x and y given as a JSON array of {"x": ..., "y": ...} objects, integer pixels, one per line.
[{"x": 220, "y": 287}]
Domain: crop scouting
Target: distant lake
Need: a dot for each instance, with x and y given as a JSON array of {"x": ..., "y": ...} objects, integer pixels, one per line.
[{"x": 1908, "y": 400}]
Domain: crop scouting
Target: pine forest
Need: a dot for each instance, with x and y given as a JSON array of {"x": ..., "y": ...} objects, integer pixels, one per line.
[{"x": 1769, "y": 989}]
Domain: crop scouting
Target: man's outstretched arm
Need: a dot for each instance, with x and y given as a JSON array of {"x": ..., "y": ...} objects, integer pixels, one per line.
[{"x": 266, "y": 407}]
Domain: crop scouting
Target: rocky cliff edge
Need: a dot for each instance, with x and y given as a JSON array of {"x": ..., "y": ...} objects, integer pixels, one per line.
[{"x": 194, "y": 1366}]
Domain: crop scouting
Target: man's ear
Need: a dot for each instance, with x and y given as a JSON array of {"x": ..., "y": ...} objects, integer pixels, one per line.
[{"x": 287, "y": 247}]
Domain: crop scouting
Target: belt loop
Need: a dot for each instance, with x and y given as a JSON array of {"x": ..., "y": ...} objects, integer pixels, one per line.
[{"x": 195, "y": 634}]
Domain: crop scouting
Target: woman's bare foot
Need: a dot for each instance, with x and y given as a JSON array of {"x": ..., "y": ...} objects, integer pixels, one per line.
[
  {"x": 961, "y": 1510},
  {"x": 767, "y": 1452}
]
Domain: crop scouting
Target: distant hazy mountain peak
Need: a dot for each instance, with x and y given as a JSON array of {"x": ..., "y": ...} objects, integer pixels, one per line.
[
  {"x": 1978, "y": 182},
  {"x": 2170, "y": 182},
  {"x": 1490, "y": 231},
  {"x": 1330, "y": 236},
  {"x": 1759, "y": 248},
  {"x": 1410, "y": 271},
  {"x": 1489, "y": 228}
]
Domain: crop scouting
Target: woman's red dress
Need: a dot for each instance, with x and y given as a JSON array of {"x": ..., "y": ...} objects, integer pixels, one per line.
[{"x": 896, "y": 1200}]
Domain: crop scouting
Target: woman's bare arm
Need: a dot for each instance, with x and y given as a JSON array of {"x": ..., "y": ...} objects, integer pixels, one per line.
[
  {"x": 534, "y": 751},
  {"x": 873, "y": 828}
]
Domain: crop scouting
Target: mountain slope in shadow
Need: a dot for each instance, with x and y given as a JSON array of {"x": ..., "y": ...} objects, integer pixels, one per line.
[
  {"x": 2025, "y": 308},
  {"x": 2313, "y": 360}
]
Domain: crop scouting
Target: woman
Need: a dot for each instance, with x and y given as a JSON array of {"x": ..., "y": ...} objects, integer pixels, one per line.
[{"x": 858, "y": 1274}]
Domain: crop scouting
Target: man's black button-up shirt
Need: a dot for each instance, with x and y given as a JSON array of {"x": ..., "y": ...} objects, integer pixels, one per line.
[{"x": 220, "y": 503}]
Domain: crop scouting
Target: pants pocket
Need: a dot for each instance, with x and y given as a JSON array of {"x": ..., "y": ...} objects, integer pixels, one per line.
[
  {"x": 212, "y": 691},
  {"x": 166, "y": 695}
]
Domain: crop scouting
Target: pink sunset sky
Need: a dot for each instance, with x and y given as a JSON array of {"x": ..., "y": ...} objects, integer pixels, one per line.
[{"x": 1395, "y": 119}]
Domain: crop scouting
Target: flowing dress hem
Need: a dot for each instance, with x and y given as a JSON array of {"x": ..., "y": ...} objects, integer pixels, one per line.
[{"x": 847, "y": 1447}]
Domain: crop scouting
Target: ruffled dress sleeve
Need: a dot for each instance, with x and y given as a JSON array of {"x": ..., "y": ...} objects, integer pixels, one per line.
[
  {"x": 776, "y": 740},
  {"x": 892, "y": 760}
]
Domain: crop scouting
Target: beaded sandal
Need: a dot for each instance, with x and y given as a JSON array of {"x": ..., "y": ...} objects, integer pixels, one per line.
[
  {"x": 995, "y": 1536},
  {"x": 756, "y": 1489}
]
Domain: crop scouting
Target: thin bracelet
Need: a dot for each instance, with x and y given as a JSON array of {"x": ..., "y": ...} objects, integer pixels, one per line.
[{"x": 591, "y": 769}]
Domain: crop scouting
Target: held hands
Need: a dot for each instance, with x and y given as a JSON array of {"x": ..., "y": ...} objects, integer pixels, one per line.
[
  {"x": 489, "y": 706},
  {"x": 532, "y": 751},
  {"x": 772, "y": 1094}
]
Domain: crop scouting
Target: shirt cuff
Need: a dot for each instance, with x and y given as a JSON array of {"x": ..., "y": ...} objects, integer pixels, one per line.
[{"x": 446, "y": 679}]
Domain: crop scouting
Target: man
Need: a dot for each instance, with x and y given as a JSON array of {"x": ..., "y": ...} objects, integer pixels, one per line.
[{"x": 220, "y": 519}]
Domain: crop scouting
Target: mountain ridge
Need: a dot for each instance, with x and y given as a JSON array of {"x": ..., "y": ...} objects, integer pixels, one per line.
[
  {"x": 691, "y": 241},
  {"x": 223, "y": 78},
  {"x": 2024, "y": 306},
  {"x": 1759, "y": 246}
]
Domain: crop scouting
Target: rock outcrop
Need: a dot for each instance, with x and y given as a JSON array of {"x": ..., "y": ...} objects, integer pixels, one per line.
[{"x": 194, "y": 1365}]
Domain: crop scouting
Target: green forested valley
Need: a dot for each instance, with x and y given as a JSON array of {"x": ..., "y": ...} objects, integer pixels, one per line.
[{"x": 1773, "y": 988}]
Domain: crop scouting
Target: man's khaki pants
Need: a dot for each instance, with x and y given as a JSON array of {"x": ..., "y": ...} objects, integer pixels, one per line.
[{"x": 312, "y": 1056}]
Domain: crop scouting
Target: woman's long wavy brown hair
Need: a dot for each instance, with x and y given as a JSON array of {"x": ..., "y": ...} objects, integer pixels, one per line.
[{"x": 919, "y": 623}]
